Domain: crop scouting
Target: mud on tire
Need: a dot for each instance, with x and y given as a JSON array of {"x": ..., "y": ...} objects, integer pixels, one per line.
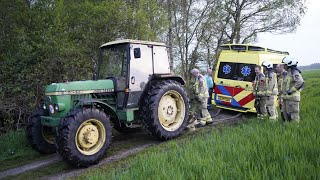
[
  {"x": 67, "y": 140},
  {"x": 150, "y": 105},
  {"x": 35, "y": 133}
]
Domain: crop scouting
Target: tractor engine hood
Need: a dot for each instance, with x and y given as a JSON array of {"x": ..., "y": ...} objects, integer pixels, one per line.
[{"x": 80, "y": 87}]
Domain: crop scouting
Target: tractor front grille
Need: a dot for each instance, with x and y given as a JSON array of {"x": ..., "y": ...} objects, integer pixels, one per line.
[{"x": 75, "y": 98}]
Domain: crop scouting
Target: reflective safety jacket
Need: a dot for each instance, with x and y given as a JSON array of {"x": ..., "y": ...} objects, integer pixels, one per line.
[
  {"x": 201, "y": 87},
  {"x": 259, "y": 87},
  {"x": 292, "y": 85},
  {"x": 271, "y": 83},
  {"x": 280, "y": 82}
]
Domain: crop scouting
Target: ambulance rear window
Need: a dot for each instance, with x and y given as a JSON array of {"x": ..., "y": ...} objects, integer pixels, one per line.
[
  {"x": 245, "y": 72},
  {"x": 226, "y": 70},
  {"x": 236, "y": 71}
]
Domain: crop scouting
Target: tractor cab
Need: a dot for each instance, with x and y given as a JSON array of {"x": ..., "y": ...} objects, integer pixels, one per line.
[{"x": 130, "y": 64}]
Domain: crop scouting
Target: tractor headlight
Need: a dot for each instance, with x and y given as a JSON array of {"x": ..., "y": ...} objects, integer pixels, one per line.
[
  {"x": 59, "y": 107},
  {"x": 56, "y": 107},
  {"x": 51, "y": 109}
]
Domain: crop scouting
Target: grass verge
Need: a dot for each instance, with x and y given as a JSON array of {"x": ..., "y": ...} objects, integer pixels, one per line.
[{"x": 15, "y": 151}]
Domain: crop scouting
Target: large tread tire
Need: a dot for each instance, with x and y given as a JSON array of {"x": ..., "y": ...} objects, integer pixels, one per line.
[
  {"x": 34, "y": 133},
  {"x": 149, "y": 110},
  {"x": 66, "y": 138}
]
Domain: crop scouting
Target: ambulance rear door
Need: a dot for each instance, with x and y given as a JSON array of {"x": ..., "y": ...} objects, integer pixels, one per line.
[
  {"x": 243, "y": 87},
  {"x": 224, "y": 81}
]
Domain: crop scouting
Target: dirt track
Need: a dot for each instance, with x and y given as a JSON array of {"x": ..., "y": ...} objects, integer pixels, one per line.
[
  {"x": 116, "y": 157},
  {"x": 119, "y": 140},
  {"x": 28, "y": 167},
  {"x": 229, "y": 117}
]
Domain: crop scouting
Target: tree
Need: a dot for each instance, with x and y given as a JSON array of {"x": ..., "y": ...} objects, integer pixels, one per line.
[
  {"x": 251, "y": 17},
  {"x": 188, "y": 17},
  {"x": 200, "y": 27},
  {"x": 47, "y": 41}
]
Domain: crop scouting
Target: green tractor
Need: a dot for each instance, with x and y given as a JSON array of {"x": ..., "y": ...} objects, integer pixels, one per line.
[{"x": 132, "y": 88}]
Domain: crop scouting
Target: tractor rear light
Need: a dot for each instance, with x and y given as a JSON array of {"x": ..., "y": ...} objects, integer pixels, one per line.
[{"x": 51, "y": 109}]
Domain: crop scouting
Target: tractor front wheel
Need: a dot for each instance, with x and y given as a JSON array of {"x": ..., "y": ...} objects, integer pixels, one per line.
[
  {"x": 41, "y": 138},
  {"x": 165, "y": 109},
  {"x": 84, "y": 137}
]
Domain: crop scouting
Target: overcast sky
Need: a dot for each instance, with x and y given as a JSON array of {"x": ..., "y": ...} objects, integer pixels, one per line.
[{"x": 302, "y": 44}]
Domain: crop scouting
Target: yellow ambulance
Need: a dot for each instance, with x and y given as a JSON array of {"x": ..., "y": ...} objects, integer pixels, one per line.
[{"x": 234, "y": 75}]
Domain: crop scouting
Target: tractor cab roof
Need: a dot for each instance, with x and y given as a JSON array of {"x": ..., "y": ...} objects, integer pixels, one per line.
[{"x": 131, "y": 41}]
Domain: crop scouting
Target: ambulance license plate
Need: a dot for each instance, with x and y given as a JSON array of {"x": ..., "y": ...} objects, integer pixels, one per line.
[{"x": 224, "y": 99}]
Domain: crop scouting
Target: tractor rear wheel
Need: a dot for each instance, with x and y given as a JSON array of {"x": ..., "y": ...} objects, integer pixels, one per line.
[
  {"x": 84, "y": 137},
  {"x": 165, "y": 109},
  {"x": 41, "y": 138}
]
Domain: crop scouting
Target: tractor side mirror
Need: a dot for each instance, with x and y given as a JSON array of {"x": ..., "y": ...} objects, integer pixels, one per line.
[{"x": 137, "y": 53}]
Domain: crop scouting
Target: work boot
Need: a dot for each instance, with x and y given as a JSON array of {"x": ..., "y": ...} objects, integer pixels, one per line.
[
  {"x": 273, "y": 118},
  {"x": 201, "y": 123},
  {"x": 264, "y": 116},
  {"x": 191, "y": 127},
  {"x": 209, "y": 120}
]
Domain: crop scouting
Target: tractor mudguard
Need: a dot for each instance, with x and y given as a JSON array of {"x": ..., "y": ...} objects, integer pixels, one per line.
[
  {"x": 161, "y": 77},
  {"x": 167, "y": 77}
]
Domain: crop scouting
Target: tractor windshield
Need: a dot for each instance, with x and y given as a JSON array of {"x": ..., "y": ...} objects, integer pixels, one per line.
[{"x": 113, "y": 61}]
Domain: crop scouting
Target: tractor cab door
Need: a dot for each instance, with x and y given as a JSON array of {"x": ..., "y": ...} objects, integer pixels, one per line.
[{"x": 141, "y": 68}]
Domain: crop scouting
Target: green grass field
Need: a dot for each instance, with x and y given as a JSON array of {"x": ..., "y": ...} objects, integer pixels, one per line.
[{"x": 256, "y": 149}]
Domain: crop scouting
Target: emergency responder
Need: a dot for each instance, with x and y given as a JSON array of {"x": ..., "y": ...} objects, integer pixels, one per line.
[
  {"x": 271, "y": 87},
  {"x": 202, "y": 95},
  {"x": 259, "y": 93},
  {"x": 292, "y": 85},
  {"x": 281, "y": 73}
]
